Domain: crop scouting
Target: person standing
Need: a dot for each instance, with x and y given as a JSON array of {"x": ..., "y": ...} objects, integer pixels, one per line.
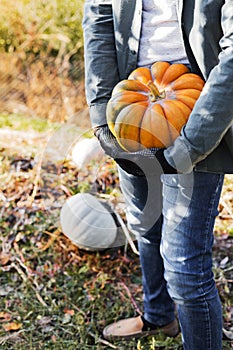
[{"x": 171, "y": 194}]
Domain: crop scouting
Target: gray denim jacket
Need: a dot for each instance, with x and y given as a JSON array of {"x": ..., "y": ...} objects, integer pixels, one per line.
[{"x": 111, "y": 39}]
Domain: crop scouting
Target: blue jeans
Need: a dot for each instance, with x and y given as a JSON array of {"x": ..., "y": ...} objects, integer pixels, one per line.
[{"x": 173, "y": 217}]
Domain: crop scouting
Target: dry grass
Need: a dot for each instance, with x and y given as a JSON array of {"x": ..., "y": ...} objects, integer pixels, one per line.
[
  {"x": 43, "y": 88},
  {"x": 53, "y": 295}
]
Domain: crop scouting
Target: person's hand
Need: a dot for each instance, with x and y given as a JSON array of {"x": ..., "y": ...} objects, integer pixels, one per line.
[
  {"x": 142, "y": 163},
  {"x": 107, "y": 141},
  {"x": 112, "y": 148}
]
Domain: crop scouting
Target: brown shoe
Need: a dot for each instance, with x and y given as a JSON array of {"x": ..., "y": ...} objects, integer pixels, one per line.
[{"x": 135, "y": 328}]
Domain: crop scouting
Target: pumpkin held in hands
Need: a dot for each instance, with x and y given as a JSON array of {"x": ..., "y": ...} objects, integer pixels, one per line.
[{"x": 150, "y": 108}]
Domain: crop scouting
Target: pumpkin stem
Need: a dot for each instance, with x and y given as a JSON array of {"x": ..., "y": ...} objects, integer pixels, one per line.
[{"x": 155, "y": 94}]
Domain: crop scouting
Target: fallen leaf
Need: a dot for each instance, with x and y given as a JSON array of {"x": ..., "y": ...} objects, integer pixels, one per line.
[
  {"x": 228, "y": 335},
  {"x": 70, "y": 312},
  {"x": 54, "y": 339},
  {"x": 5, "y": 316},
  {"x": 4, "y": 258},
  {"x": 223, "y": 262},
  {"x": 12, "y": 326}
]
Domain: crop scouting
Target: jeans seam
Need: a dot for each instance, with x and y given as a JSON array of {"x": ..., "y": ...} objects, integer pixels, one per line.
[{"x": 208, "y": 232}]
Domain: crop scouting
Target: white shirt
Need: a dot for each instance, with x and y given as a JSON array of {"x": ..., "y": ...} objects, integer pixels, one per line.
[{"x": 161, "y": 37}]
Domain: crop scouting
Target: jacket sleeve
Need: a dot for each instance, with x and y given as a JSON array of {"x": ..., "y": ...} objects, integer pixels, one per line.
[
  {"x": 101, "y": 73},
  {"x": 212, "y": 115}
]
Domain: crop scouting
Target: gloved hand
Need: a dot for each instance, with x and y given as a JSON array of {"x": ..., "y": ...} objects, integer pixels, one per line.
[
  {"x": 141, "y": 163},
  {"x": 112, "y": 148}
]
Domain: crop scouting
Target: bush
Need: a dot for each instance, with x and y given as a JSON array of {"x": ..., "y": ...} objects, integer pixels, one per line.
[
  {"x": 41, "y": 27},
  {"x": 41, "y": 58}
]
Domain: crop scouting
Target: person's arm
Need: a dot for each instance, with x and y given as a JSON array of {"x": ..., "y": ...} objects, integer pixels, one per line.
[
  {"x": 101, "y": 73},
  {"x": 213, "y": 113}
]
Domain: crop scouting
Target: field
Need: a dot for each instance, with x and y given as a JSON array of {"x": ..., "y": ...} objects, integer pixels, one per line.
[{"x": 53, "y": 294}]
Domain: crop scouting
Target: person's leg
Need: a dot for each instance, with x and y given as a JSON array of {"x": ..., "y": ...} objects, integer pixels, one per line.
[
  {"x": 190, "y": 204},
  {"x": 143, "y": 200},
  {"x": 143, "y": 209}
]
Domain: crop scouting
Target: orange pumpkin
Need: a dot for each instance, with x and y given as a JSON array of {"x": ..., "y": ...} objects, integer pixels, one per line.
[{"x": 152, "y": 105}]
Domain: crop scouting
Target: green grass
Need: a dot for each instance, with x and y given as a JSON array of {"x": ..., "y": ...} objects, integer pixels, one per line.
[
  {"x": 90, "y": 288},
  {"x": 31, "y": 26},
  {"x": 22, "y": 123},
  {"x": 63, "y": 297}
]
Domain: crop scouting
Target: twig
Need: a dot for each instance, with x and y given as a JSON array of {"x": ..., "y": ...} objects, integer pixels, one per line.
[
  {"x": 20, "y": 254},
  {"x": 224, "y": 281},
  {"x": 26, "y": 279},
  {"x": 36, "y": 182},
  {"x": 102, "y": 341},
  {"x": 127, "y": 235},
  {"x": 10, "y": 336},
  {"x": 12, "y": 234},
  {"x": 228, "y": 269},
  {"x": 227, "y": 207},
  {"x": 2, "y": 197},
  {"x": 65, "y": 190},
  {"x": 51, "y": 240},
  {"x": 131, "y": 298}
]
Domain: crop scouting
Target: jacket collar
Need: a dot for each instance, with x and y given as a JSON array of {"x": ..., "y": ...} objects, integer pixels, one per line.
[
  {"x": 126, "y": 6},
  {"x": 127, "y": 16},
  {"x": 180, "y": 8}
]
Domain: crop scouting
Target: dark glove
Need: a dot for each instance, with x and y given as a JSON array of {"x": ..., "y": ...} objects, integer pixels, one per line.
[
  {"x": 142, "y": 163},
  {"x": 107, "y": 141},
  {"x": 112, "y": 148}
]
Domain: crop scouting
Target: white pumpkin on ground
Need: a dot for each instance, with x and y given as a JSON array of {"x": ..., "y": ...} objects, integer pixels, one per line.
[
  {"x": 88, "y": 223},
  {"x": 87, "y": 150}
]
